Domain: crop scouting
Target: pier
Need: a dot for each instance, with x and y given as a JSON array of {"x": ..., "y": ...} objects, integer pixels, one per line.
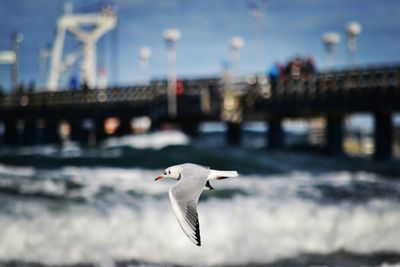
[{"x": 34, "y": 117}]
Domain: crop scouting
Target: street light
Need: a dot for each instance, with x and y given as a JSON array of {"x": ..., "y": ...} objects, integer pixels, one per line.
[
  {"x": 17, "y": 39},
  {"x": 258, "y": 10},
  {"x": 235, "y": 44},
  {"x": 144, "y": 56},
  {"x": 330, "y": 39},
  {"x": 45, "y": 53},
  {"x": 171, "y": 36},
  {"x": 353, "y": 29}
]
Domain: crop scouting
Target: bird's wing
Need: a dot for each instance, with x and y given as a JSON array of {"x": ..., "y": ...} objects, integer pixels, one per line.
[
  {"x": 188, "y": 219},
  {"x": 184, "y": 197}
]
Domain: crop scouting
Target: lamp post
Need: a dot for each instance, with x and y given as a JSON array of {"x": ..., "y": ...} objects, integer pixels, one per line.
[
  {"x": 171, "y": 36},
  {"x": 235, "y": 44},
  {"x": 353, "y": 29},
  {"x": 17, "y": 39},
  {"x": 330, "y": 39},
  {"x": 144, "y": 56},
  {"x": 258, "y": 10},
  {"x": 44, "y": 55}
]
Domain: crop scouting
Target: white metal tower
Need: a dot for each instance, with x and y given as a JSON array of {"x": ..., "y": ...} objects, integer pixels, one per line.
[{"x": 87, "y": 28}]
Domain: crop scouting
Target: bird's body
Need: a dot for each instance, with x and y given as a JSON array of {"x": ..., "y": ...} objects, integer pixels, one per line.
[{"x": 184, "y": 195}]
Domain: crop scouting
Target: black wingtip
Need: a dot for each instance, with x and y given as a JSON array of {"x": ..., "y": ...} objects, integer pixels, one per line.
[{"x": 198, "y": 238}]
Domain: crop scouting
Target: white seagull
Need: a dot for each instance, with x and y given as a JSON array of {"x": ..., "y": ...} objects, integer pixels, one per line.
[{"x": 185, "y": 194}]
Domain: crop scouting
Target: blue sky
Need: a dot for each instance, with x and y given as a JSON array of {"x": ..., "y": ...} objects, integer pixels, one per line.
[{"x": 291, "y": 27}]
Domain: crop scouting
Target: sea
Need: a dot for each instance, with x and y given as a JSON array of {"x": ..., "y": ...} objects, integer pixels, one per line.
[{"x": 100, "y": 206}]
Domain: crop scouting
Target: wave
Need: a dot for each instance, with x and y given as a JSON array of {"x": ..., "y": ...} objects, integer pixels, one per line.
[
  {"x": 96, "y": 183},
  {"x": 247, "y": 161},
  {"x": 341, "y": 258},
  {"x": 160, "y": 149},
  {"x": 154, "y": 140},
  {"x": 253, "y": 219},
  {"x": 271, "y": 232}
]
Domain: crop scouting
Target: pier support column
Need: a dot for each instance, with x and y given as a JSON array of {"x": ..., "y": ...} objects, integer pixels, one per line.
[
  {"x": 30, "y": 132},
  {"x": 10, "y": 133},
  {"x": 51, "y": 135},
  {"x": 155, "y": 124},
  {"x": 125, "y": 127},
  {"x": 275, "y": 132},
  {"x": 234, "y": 133},
  {"x": 40, "y": 126},
  {"x": 190, "y": 128},
  {"x": 383, "y": 136},
  {"x": 99, "y": 130},
  {"x": 334, "y": 134},
  {"x": 78, "y": 133}
]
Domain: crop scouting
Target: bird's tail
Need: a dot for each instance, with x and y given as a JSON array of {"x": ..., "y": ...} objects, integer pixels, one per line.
[{"x": 219, "y": 175}]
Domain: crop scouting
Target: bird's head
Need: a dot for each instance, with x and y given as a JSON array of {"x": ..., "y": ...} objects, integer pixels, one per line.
[{"x": 173, "y": 172}]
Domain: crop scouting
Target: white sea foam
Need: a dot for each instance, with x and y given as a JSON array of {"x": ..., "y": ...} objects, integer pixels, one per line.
[
  {"x": 272, "y": 221},
  {"x": 155, "y": 140},
  {"x": 21, "y": 171},
  {"x": 390, "y": 265},
  {"x": 139, "y": 180},
  {"x": 241, "y": 230},
  {"x": 30, "y": 150}
]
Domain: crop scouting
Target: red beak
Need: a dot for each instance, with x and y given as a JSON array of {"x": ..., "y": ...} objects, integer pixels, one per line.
[{"x": 158, "y": 178}]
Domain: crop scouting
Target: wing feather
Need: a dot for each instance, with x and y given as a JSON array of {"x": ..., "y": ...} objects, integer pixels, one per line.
[
  {"x": 184, "y": 197},
  {"x": 186, "y": 213}
]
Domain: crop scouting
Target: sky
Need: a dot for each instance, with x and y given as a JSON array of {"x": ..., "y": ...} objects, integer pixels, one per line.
[{"x": 289, "y": 28}]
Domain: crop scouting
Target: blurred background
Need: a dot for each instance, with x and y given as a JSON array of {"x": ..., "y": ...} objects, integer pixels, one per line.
[{"x": 301, "y": 97}]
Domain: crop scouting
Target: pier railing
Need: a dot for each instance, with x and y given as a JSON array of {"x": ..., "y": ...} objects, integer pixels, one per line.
[
  {"x": 341, "y": 87},
  {"x": 364, "y": 90}
]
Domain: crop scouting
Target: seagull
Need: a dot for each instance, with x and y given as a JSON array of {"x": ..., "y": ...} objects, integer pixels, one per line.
[{"x": 184, "y": 195}]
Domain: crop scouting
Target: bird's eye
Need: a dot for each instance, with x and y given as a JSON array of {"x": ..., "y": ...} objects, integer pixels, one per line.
[
  {"x": 165, "y": 173},
  {"x": 169, "y": 172}
]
